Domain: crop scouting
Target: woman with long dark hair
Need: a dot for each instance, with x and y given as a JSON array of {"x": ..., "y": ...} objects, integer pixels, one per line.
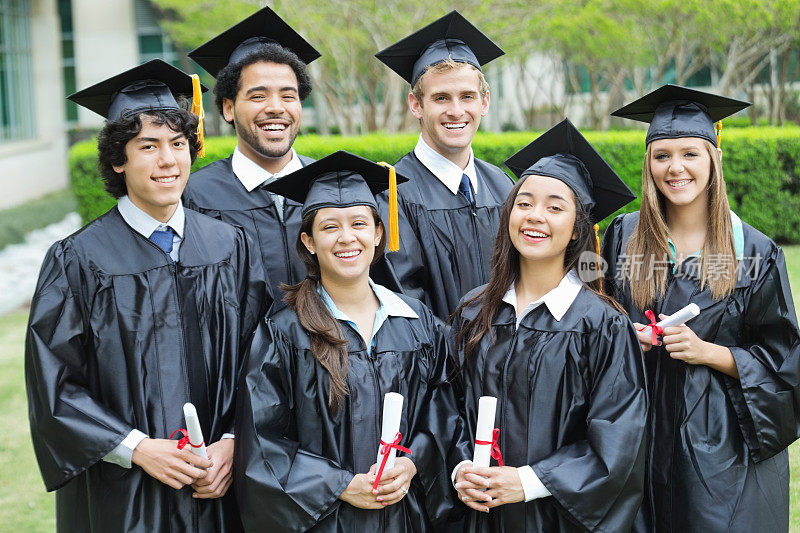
[
  {"x": 309, "y": 421},
  {"x": 559, "y": 355},
  {"x": 725, "y": 401}
]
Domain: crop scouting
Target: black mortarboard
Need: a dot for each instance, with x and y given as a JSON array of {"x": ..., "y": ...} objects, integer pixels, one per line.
[
  {"x": 564, "y": 154},
  {"x": 151, "y": 86},
  {"x": 237, "y": 42},
  {"x": 451, "y": 36},
  {"x": 674, "y": 111},
  {"x": 341, "y": 179}
]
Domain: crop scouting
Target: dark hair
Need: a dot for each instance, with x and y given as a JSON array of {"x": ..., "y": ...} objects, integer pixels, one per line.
[
  {"x": 328, "y": 343},
  {"x": 229, "y": 78},
  {"x": 116, "y": 134},
  {"x": 505, "y": 270}
]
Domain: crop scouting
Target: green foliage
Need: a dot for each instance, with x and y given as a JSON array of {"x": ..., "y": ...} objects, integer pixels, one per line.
[
  {"x": 87, "y": 186},
  {"x": 16, "y": 222},
  {"x": 762, "y": 167}
]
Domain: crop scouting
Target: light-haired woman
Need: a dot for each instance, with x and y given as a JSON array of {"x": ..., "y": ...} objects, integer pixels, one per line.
[{"x": 724, "y": 396}]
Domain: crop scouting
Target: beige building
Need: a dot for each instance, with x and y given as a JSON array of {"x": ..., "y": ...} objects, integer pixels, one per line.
[
  {"x": 49, "y": 49},
  {"x": 33, "y": 143}
]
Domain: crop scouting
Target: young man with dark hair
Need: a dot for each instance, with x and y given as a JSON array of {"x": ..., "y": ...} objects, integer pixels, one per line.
[
  {"x": 450, "y": 208},
  {"x": 260, "y": 67},
  {"x": 144, "y": 309}
]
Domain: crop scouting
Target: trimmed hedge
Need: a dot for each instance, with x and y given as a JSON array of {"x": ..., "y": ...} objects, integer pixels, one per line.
[{"x": 762, "y": 167}]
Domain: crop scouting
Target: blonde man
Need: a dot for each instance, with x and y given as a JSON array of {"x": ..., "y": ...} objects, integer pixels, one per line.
[{"x": 450, "y": 208}]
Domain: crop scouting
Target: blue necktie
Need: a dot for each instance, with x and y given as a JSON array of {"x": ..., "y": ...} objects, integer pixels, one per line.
[
  {"x": 163, "y": 239},
  {"x": 465, "y": 187}
]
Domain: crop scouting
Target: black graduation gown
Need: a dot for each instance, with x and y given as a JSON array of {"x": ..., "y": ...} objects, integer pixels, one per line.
[
  {"x": 214, "y": 190},
  {"x": 572, "y": 405},
  {"x": 717, "y": 459},
  {"x": 446, "y": 243},
  {"x": 294, "y": 458},
  {"x": 119, "y": 338}
]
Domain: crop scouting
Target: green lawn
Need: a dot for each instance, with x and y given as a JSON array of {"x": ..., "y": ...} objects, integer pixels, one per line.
[
  {"x": 24, "y": 505},
  {"x": 793, "y": 264}
]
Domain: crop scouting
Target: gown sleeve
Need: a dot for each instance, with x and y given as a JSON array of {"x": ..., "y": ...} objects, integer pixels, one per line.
[
  {"x": 766, "y": 397},
  {"x": 255, "y": 295},
  {"x": 439, "y": 432},
  {"x": 599, "y": 479},
  {"x": 71, "y": 429},
  {"x": 279, "y": 485}
]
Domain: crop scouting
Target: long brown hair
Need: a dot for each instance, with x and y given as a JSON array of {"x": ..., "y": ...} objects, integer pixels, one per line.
[
  {"x": 328, "y": 343},
  {"x": 649, "y": 239},
  {"x": 505, "y": 271}
]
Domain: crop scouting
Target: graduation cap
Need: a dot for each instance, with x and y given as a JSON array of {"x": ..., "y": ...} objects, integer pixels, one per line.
[
  {"x": 237, "y": 42},
  {"x": 564, "y": 154},
  {"x": 452, "y": 36},
  {"x": 674, "y": 111},
  {"x": 151, "y": 86},
  {"x": 342, "y": 179}
]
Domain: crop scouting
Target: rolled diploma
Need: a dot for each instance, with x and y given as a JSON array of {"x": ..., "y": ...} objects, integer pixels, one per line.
[
  {"x": 487, "y": 405},
  {"x": 392, "y": 411},
  {"x": 193, "y": 428},
  {"x": 684, "y": 315}
]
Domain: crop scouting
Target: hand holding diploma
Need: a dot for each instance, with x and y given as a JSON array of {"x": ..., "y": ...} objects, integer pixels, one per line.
[
  {"x": 388, "y": 480},
  {"x": 162, "y": 460},
  {"x": 218, "y": 477},
  {"x": 648, "y": 334}
]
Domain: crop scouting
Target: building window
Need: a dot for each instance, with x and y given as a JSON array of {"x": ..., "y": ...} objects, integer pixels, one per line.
[
  {"x": 16, "y": 101},
  {"x": 153, "y": 42},
  {"x": 68, "y": 59}
]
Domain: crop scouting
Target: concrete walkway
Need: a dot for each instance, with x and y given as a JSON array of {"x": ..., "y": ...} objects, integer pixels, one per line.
[{"x": 20, "y": 263}]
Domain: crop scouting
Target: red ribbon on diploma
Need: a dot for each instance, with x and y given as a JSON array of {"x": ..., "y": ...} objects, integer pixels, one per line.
[
  {"x": 185, "y": 440},
  {"x": 495, "y": 447},
  {"x": 654, "y": 329},
  {"x": 387, "y": 446}
]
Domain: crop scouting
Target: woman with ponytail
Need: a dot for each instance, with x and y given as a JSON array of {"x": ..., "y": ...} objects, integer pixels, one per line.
[
  {"x": 725, "y": 387},
  {"x": 310, "y": 408},
  {"x": 558, "y": 354}
]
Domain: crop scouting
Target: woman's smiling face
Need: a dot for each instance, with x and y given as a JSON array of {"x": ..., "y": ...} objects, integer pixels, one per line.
[
  {"x": 344, "y": 241},
  {"x": 542, "y": 221},
  {"x": 681, "y": 169}
]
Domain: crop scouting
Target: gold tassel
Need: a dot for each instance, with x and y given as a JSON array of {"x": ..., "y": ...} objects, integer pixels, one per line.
[
  {"x": 394, "y": 225},
  {"x": 719, "y": 137},
  {"x": 197, "y": 109},
  {"x": 597, "y": 250}
]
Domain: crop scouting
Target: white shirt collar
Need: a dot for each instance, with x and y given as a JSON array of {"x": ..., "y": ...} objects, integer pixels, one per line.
[
  {"x": 252, "y": 176},
  {"x": 394, "y": 305},
  {"x": 144, "y": 224},
  {"x": 557, "y": 300},
  {"x": 390, "y": 303},
  {"x": 448, "y": 172}
]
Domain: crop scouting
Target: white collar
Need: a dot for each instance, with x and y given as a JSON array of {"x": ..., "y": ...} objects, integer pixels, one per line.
[
  {"x": 448, "y": 172},
  {"x": 252, "y": 176},
  {"x": 390, "y": 304},
  {"x": 557, "y": 300},
  {"x": 394, "y": 305},
  {"x": 144, "y": 224}
]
